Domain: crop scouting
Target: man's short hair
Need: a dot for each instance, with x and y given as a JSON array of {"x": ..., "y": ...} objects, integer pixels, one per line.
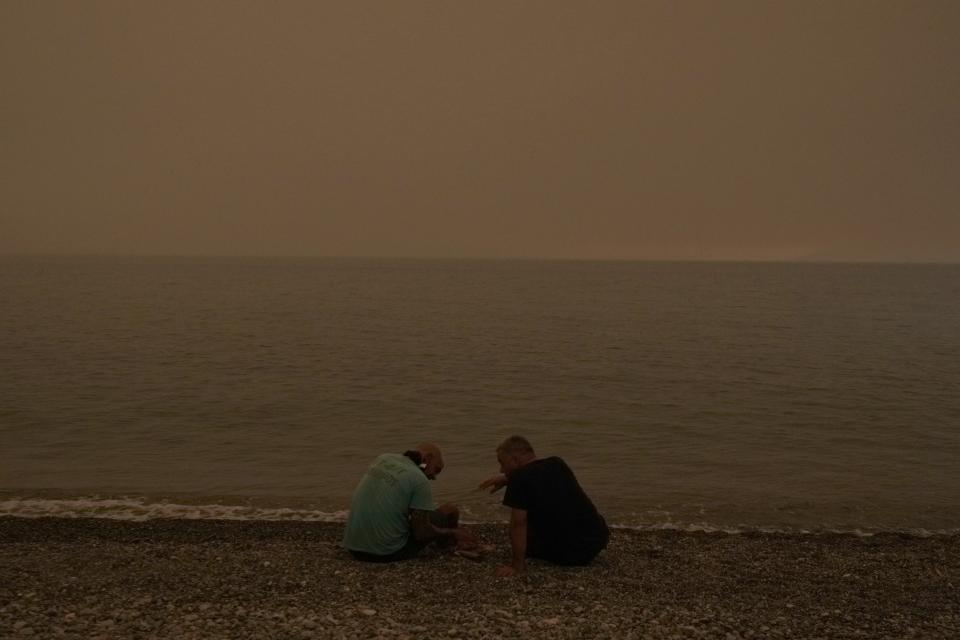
[{"x": 515, "y": 446}]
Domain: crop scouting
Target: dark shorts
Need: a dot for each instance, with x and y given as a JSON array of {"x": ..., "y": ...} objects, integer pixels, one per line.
[
  {"x": 413, "y": 546},
  {"x": 578, "y": 552}
]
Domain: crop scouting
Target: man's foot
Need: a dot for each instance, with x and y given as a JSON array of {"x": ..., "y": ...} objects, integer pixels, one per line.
[{"x": 474, "y": 555}]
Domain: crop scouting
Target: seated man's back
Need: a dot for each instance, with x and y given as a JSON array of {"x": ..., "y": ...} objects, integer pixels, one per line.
[
  {"x": 378, "y": 523},
  {"x": 563, "y": 525}
]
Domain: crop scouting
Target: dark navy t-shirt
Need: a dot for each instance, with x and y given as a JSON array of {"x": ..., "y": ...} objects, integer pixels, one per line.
[{"x": 563, "y": 525}]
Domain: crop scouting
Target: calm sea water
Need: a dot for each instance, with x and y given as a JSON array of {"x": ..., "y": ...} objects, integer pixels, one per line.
[{"x": 717, "y": 395}]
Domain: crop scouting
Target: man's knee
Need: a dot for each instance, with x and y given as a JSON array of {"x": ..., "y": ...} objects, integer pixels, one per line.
[{"x": 448, "y": 516}]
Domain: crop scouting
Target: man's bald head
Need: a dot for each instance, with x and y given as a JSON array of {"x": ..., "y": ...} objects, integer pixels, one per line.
[{"x": 432, "y": 457}]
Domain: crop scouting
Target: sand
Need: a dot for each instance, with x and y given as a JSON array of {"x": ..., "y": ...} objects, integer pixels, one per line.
[{"x": 96, "y": 578}]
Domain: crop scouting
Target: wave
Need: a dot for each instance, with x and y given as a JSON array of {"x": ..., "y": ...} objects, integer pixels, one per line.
[
  {"x": 138, "y": 509},
  {"x": 141, "y": 508}
]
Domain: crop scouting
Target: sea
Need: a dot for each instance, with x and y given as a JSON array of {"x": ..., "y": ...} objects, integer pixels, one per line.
[{"x": 696, "y": 396}]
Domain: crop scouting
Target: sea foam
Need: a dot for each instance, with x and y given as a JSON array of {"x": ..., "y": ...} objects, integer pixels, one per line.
[{"x": 137, "y": 508}]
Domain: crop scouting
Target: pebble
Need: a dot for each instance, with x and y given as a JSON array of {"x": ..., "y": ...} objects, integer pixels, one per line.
[{"x": 693, "y": 588}]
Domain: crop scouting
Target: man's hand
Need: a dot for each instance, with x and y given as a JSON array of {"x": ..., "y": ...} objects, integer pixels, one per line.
[
  {"x": 497, "y": 482},
  {"x": 466, "y": 541},
  {"x": 509, "y": 571},
  {"x": 464, "y": 538}
]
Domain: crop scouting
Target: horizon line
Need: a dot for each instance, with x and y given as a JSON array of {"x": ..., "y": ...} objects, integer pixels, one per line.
[{"x": 481, "y": 258}]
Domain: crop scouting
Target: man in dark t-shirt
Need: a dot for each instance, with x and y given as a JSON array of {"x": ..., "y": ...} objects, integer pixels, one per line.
[{"x": 551, "y": 517}]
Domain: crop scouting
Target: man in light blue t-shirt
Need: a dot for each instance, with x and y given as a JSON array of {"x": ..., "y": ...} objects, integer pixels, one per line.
[{"x": 392, "y": 514}]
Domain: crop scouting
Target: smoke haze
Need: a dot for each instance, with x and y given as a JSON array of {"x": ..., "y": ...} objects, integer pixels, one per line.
[{"x": 617, "y": 130}]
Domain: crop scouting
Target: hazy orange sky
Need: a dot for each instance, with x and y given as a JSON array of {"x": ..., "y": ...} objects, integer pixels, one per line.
[{"x": 648, "y": 130}]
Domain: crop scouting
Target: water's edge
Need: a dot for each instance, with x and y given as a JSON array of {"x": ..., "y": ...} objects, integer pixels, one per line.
[{"x": 141, "y": 509}]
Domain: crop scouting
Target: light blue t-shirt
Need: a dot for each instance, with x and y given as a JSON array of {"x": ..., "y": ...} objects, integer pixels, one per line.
[{"x": 381, "y": 502}]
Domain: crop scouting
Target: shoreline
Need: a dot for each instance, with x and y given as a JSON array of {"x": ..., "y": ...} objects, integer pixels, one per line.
[{"x": 252, "y": 579}]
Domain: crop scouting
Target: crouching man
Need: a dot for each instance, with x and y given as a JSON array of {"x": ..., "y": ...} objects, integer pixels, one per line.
[
  {"x": 392, "y": 514},
  {"x": 551, "y": 518}
]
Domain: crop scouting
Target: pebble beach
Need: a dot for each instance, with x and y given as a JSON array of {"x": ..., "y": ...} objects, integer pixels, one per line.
[{"x": 99, "y": 578}]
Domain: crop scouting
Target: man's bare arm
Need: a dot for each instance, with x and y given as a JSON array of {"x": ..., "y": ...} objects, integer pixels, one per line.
[
  {"x": 423, "y": 529},
  {"x": 421, "y": 526},
  {"x": 518, "y": 544},
  {"x": 494, "y": 483}
]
